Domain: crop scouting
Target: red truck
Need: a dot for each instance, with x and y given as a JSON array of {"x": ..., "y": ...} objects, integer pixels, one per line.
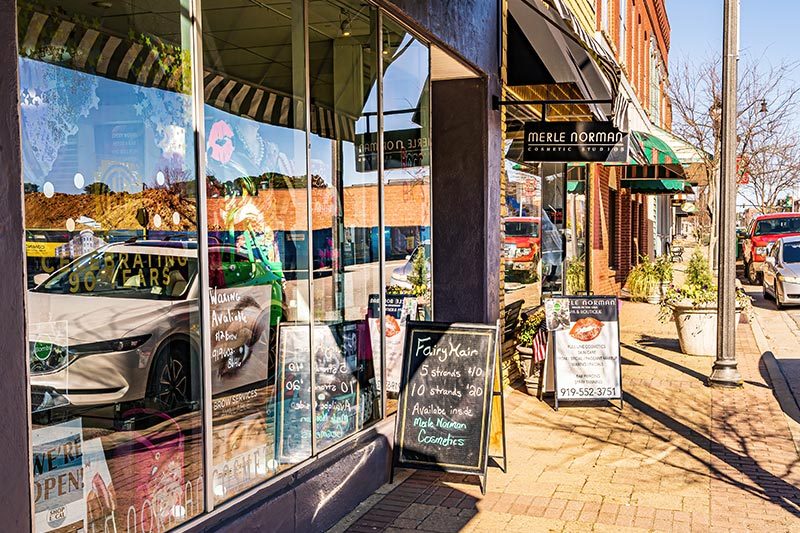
[
  {"x": 763, "y": 230},
  {"x": 521, "y": 246}
]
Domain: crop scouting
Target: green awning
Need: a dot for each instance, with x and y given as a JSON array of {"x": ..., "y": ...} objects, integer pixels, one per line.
[
  {"x": 654, "y": 172},
  {"x": 576, "y": 186},
  {"x": 655, "y": 149},
  {"x": 657, "y": 186}
]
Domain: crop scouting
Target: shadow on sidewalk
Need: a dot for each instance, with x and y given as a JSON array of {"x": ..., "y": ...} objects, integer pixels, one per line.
[
  {"x": 658, "y": 359},
  {"x": 765, "y": 485},
  {"x": 790, "y": 370}
]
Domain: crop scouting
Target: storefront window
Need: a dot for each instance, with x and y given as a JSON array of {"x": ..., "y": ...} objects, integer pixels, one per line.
[
  {"x": 256, "y": 183},
  {"x": 113, "y": 288},
  {"x": 576, "y": 231},
  {"x": 407, "y": 185},
  {"x": 553, "y": 225},
  {"x": 344, "y": 124},
  {"x": 523, "y": 228},
  {"x": 277, "y": 304}
]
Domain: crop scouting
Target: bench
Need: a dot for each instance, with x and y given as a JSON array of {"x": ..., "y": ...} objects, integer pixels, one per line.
[
  {"x": 675, "y": 253},
  {"x": 511, "y": 315}
]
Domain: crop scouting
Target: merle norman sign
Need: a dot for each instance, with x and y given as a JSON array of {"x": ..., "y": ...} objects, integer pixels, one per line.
[{"x": 574, "y": 141}]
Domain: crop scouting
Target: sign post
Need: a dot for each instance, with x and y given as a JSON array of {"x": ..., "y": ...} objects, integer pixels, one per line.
[
  {"x": 585, "y": 356},
  {"x": 446, "y": 397}
]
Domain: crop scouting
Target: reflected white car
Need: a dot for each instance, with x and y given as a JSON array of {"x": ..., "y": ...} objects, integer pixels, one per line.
[
  {"x": 781, "y": 274},
  {"x": 121, "y": 323},
  {"x": 400, "y": 274}
]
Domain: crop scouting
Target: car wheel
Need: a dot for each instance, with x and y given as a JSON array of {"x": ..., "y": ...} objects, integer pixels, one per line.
[
  {"x": 750, "y": 272},
  {"x": 778, "y": 297},
  {"x": 170, "y": 384}
]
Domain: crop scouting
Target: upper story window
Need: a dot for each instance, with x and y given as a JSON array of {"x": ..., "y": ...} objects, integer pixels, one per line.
[
  {"x": 655, "y": 82},
  {"x": 604, "y": 15},
  {"x": 623, "y": 12}
]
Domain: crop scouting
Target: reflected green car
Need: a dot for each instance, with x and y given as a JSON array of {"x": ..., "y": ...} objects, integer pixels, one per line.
[{"x": 238, "y": 270}]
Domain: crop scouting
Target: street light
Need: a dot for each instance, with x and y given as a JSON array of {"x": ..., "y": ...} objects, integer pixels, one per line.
[{"x": 725, "y": 372}]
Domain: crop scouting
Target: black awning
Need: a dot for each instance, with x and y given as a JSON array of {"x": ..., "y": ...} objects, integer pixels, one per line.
[
  {"x": 547, "y": 45},
  {"x": 525, "y": 67}
]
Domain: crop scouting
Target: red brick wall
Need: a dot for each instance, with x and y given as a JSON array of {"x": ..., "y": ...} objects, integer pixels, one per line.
[
  {"x": 632, "y": 222},
  {"x": 604, "y": 278}
]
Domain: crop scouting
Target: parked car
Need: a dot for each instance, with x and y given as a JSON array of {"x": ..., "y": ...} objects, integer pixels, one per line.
[
  {"x": 119, "y": 324},
  {"x": 522, "y": 245},
  {"x": 781, "y": 275},
  {"x": 400, "y": 274},
  {"x": 762, "y": 231}
]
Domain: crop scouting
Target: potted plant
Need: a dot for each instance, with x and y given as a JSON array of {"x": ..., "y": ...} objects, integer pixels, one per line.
[
  {"x": 664, "y": 273},
  {"x": 648, "y": 281},
  {"x": 576, "y": 275},
  {"x": 694, "y": 308},
  {"x": 532, "y": 325}
]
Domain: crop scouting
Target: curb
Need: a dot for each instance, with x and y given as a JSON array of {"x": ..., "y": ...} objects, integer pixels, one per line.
[{"x": 780, "y": 386}]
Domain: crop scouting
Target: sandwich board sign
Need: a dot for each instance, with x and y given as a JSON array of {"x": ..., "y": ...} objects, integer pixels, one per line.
[
  {"x": 446, "y": 397},
  {"x": 584, "y": 361}
]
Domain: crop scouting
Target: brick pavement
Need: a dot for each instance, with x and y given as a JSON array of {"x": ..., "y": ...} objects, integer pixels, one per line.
[{"x": 679, "y": 457}]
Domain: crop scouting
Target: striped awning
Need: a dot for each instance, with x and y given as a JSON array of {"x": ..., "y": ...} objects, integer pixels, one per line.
[
  {"x": 152, "y": 62},
  {"x": 54, "y": 39},
  {"x": 271, "y": 107},
  {"x": 604, "y": 60}
]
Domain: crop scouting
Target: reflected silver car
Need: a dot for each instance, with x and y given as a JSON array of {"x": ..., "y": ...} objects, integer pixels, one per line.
[
  {"x": 121, "y": 323},
  {"x": 781, "y": 279}
]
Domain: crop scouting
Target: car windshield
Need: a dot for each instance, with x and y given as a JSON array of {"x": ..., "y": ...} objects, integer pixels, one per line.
[
  {"x": 522, "y": 229},
  {"x": 778, "y": 226},
  {"x": 791, "y": 252},
  {"x": 115, "y": 273}
]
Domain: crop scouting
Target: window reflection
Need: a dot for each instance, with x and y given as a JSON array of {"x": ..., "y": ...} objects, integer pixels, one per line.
[
  {"x": 110, "y": 205},
  {"x": 257, "y": 215},
  {"x": 524, "y": 228},
  {"x": 407, "y": 203},
  {"x": 343, "y": 50}
]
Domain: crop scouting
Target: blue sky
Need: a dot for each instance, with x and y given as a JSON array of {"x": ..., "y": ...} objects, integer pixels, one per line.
[{"x": 766, "y": 25}]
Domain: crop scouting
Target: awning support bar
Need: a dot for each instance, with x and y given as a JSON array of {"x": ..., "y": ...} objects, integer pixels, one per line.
[{"x": 497, "y": 103}]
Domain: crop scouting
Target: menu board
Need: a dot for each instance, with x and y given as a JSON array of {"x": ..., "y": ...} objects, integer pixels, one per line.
[
  {"x": 446, "y": 397},
  {"x": 337, "y": 371},
  {"x": 586, "y": 355}
]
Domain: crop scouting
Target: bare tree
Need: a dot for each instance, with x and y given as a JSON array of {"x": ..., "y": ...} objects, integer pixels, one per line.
[{"x": 768, "y": 148}]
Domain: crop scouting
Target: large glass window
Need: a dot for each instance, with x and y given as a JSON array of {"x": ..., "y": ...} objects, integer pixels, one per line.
[
  {"x": 343, "y": 53},
  {"x": 281, "y": 314},
  {"x": 256, "y": 183},
  {"x": 576, "y": 231},
  {"x": 113, "y": 288},
  {"x": 407, "y": 185},
  {"x": 523, "y": 227}
]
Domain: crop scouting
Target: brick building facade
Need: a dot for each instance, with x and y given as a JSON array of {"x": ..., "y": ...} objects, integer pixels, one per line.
[{"x": 624, "y": 223}]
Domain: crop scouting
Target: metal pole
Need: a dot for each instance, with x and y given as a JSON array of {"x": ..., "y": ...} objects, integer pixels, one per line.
[{"x": 724, "y": 372}]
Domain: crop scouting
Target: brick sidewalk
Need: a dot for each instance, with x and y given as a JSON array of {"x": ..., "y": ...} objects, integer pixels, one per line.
[{"x": 679, "y": 457}]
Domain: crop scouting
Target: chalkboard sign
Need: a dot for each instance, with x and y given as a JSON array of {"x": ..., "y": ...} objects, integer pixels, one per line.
[
  {"x": 446, "y": 397},
  {"x": 337, "y": 374}
]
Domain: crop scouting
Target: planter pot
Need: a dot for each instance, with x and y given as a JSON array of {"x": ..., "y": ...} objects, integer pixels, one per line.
[
  {"x": 697, "y": 328},
  {"x": 658, "y": 292},
  {"x": 525, "y": 360},
  {"x": 532, "y": 386}
]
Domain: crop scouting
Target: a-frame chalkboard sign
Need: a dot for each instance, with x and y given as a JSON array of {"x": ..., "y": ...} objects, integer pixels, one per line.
[{"x": 446, "y": 396}]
